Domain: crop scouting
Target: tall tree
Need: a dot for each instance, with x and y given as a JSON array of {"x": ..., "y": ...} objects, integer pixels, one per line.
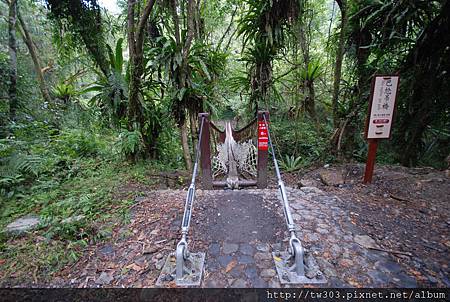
[
  {"x": 339, "y": 58},
  {"x": 309, "y": 69},
  {"x": 84, "y": 20},
  {"x": 180, "y": 76},
  {"x": 136, "y": 29},
  {"x": 34, "y": 56},
  {"x": 427, "y": 67},
  {"x": 263, "y": 27},
  {"x": 12, "y": 91}
]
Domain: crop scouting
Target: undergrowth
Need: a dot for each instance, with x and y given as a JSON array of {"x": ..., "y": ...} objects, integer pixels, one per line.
[{"x": 68, "y": 178}]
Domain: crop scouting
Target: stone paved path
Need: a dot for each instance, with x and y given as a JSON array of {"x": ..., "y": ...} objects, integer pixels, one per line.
[{"x": 240, "y": 229}]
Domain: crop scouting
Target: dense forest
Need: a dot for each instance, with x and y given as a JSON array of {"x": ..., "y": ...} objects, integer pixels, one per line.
[{"x": 90, "y": 98}]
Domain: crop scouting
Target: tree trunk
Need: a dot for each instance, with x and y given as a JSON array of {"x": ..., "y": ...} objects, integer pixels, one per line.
[
  {"x": 135, "y": 37},
  {"x": 185, "y": 145},
  {"x": 193, "y": 126},
  {"x": 37, "y": 66},
  {"x": 12, "y": 91},
  {"x": 310, "y": 103},
  {"x": 308, "y": 84},
  {"x": 339, "y": 59}
]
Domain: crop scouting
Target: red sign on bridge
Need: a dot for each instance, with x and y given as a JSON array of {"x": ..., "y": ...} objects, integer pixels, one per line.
[{"x": 263, "y": 137}]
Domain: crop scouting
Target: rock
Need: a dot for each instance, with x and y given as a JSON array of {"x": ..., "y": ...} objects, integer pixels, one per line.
[
  {"x": 229, "y": 248},
  {"x": 405, "y": 281},
  {"x": 379, "y": 278},
  {"x": 237, "y": 271},
  {"x": 224, "y": 260},
  {"x": 311, "y": 190},
  {"x": 246, "y": 249},
  {"x": 107, "y": 250},
  {"x": 327, "y": 268},
  {"x": 259, "y": 283},
  {"x": 311, "y": 237},
  {"x": 139, "y": 199},
  {"x": 104, "y": 279},
  {"x": 433, "y": 280},
  {"x": 245, "y": 259},
  {"x": 332, "y": 178},
  {"x": 219, "y": 283},
  {"x": 307, "y": 183},
  {"x": 251, "y": 272},
  {"x": 73, "y": 219},
  {"x": 214, "y": 249},
  {"x": 263, "y": 256},
  {"x": 238, "y": 283},
  {"x": 388, "y": 266},
  {"x": 264, "y": 264},
  {"x": 262, "y": 247},
  {"x": 366, "y": 241},
  {"x": 322, "y": 231},
  {"x": 274, "y": 284},
  {"x": 22, "y": 225},
  {"x": 268, "y": 273},
  {"x": 159, "y": 265},
  {"x": 295, "y": 216},
  {"x": 276, "y": 247}
]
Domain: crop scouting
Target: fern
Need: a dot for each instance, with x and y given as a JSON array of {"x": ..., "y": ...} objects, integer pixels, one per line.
[
  {"x": 130, "y": 142},
  {"x": 15, "y": 169},
  {"x": 291, "y": 163}
]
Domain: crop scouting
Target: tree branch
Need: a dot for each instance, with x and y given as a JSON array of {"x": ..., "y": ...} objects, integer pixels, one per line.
[
  {"x": 141, "y": 26},
  {"x": 228, "y": 28},
  {"x": 130, "y": 25},
  {"x": 190, "y": 30},
  {"x": 176, "y": 22}
]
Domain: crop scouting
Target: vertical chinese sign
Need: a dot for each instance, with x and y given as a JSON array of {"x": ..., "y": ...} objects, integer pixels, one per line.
[
  {"x": 263, "y": 147},
  {"x": 263, "y": 138},
  {"x": 381, "y": 113}
]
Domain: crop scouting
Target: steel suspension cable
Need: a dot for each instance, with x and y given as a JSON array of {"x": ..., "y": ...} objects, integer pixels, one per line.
[{"x": 287, "y": 211}]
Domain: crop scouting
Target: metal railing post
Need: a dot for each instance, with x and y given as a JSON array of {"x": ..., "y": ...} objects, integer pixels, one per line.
[
  {"x": 183, "y": 266},
  {"x": 291, "y": 266}
]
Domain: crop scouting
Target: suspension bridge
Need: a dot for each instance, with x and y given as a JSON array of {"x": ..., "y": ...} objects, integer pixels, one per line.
[{"x": 239, "y": 162}]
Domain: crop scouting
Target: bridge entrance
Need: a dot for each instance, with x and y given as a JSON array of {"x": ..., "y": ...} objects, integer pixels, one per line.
[{"x": 233, "y": 159}]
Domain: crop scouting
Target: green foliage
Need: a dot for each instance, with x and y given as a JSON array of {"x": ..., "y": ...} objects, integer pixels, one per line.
[
  {"x": 298, "y": 142},
  {"x": 290, "y": 163},
  {"x": 409, "y": 38},
  {"x": 263, "y": 26},
  {"x": 111, "y": 91},
  {"x": 82, "y": 19},
  {"x": 130, "y": 142},
  {"x": 313, "y": 71},
  {"x": 64, "y": 91}
]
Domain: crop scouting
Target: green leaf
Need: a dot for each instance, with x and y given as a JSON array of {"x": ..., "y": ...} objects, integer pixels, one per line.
[
  {"x": 181, "y": 93},
  {"x": 119, "y": 57},
  {"x": 205, "y": 69}
]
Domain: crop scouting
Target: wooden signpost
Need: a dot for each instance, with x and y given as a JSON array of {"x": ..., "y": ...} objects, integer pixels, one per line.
[
  {"x": 263, "y": 146},
  {"x": 380, "y": 116}
]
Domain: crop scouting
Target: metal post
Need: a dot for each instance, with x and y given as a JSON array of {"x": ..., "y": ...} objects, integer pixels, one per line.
[
  {"x": 205, "y": 153},
  {"x": 183, "y": 266},
  {"x": 294, "y": 266},
  {"x": 261, "y": 178}
]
